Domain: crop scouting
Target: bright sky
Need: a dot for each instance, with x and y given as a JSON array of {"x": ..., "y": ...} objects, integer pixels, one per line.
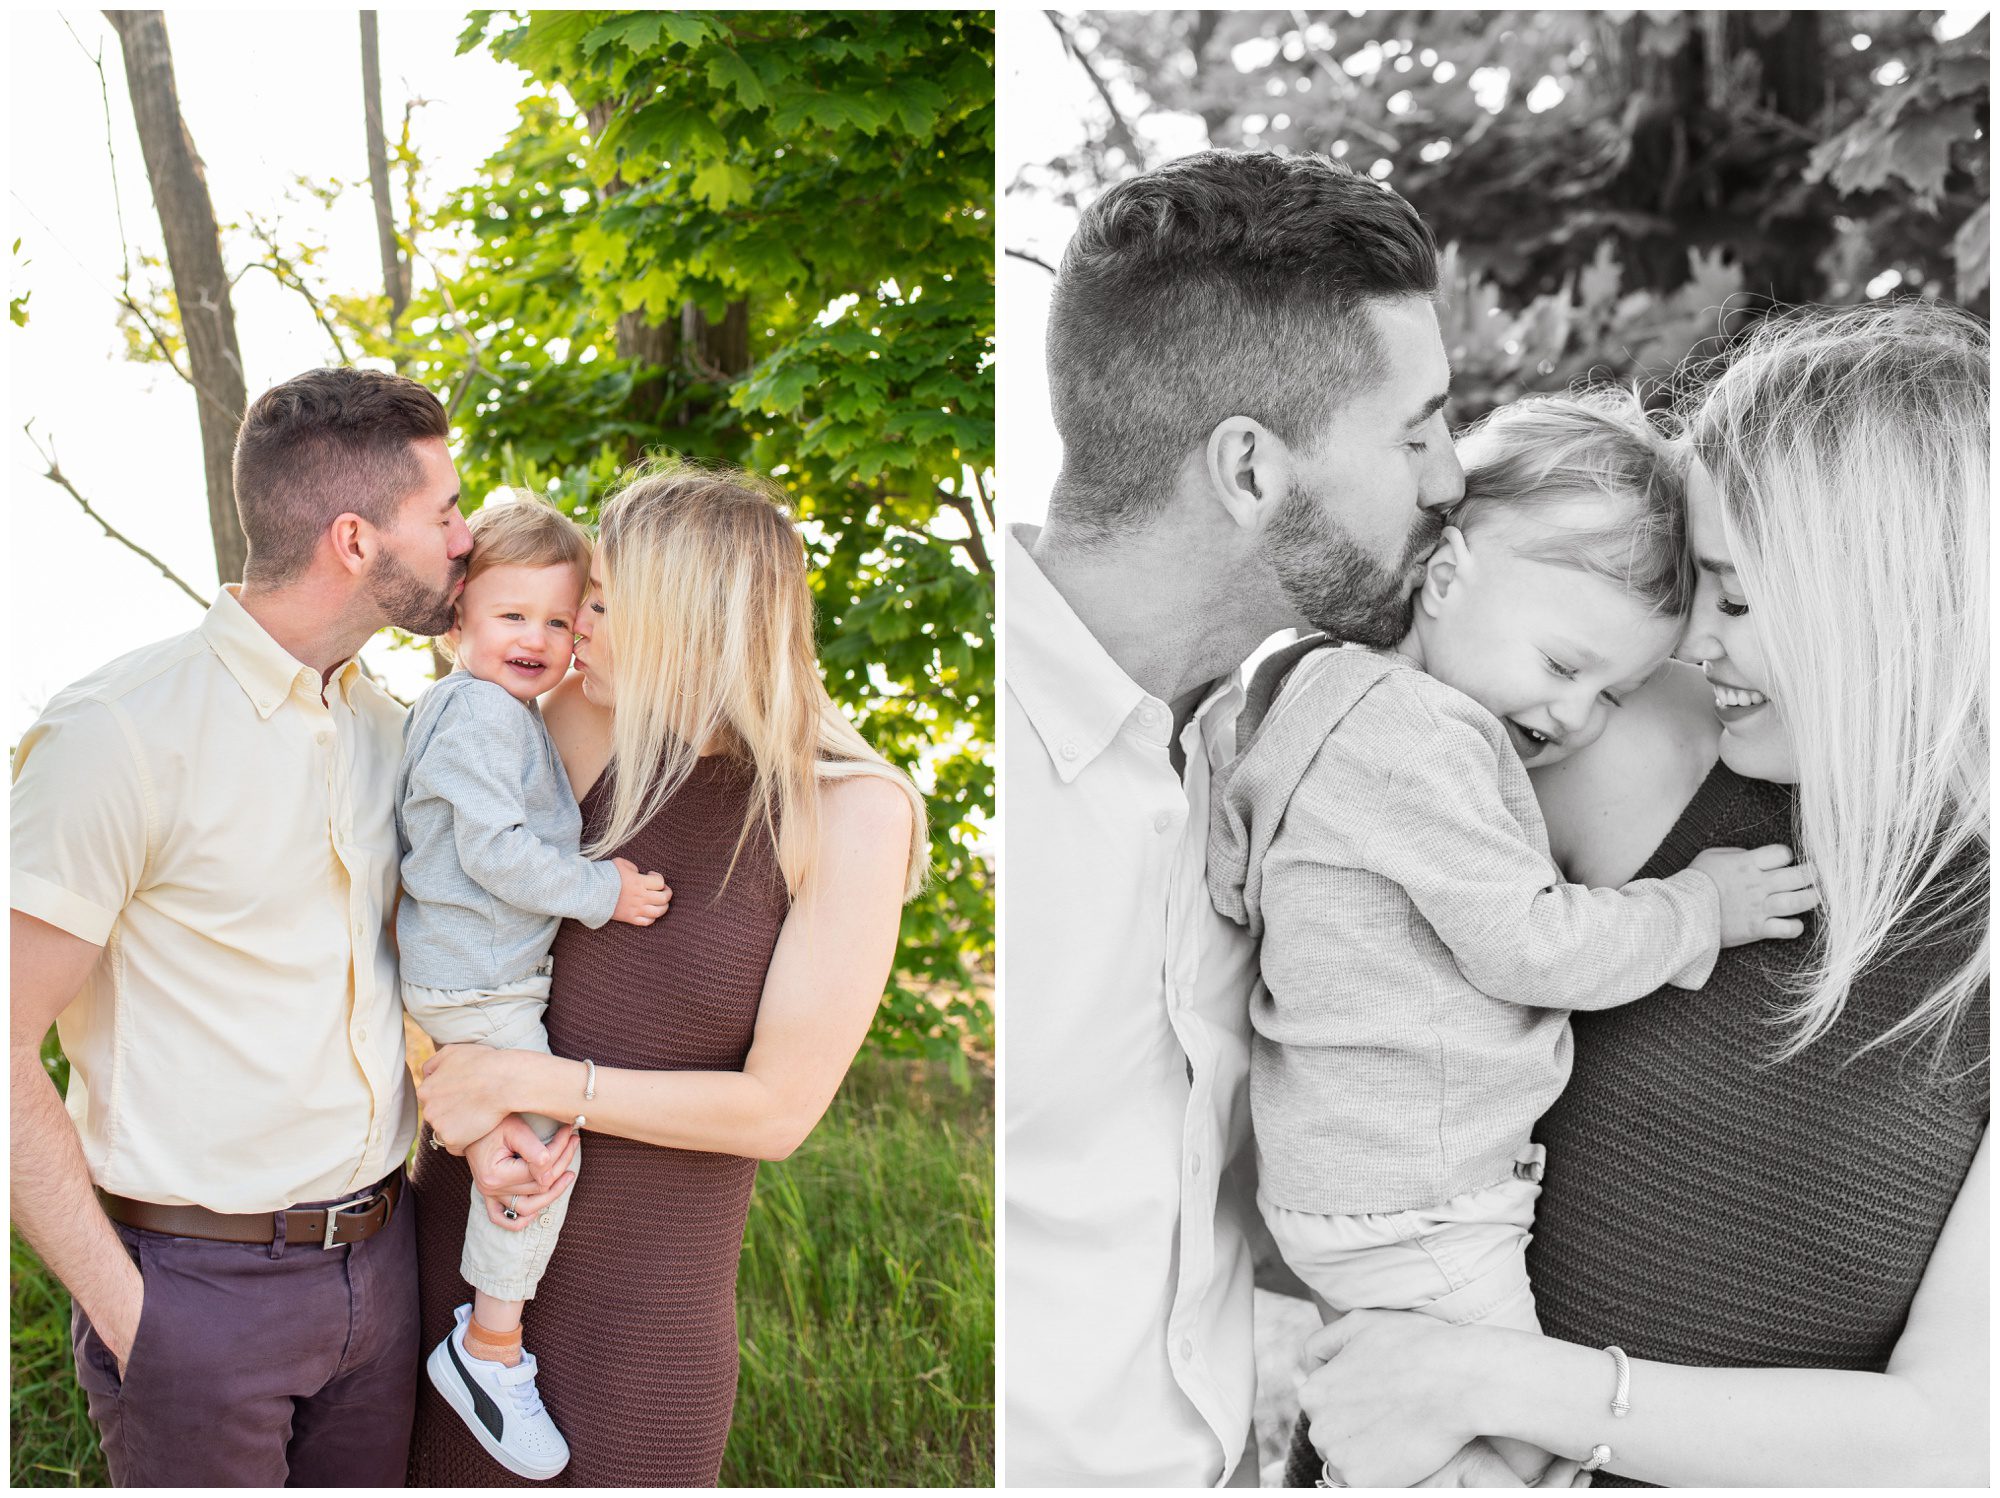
[
  {"x": 266, "y": 97},
  {"x": 1065, "y": 113}
]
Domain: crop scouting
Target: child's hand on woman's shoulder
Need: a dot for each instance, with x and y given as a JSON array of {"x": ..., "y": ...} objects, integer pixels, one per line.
[{"x": 1762, "y": 891}]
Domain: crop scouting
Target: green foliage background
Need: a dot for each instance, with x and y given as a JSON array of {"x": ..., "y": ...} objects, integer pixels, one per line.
[
  {"x": 764, "y": 238},
  {"x": 1616, "y": 187}
]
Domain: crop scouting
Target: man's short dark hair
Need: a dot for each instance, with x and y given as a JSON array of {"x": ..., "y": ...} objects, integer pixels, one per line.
[
  {"x": 326, "y": 443},
  {"x": 1222, "y": 284}
]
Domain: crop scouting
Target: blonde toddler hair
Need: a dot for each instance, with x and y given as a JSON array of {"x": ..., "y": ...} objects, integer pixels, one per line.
[
  {"x": 1546, "y": 449},
  {"x": 523, "y": 530}
]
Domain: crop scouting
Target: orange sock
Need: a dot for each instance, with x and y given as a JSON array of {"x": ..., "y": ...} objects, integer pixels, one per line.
[{"x": 491, "y": 1346}]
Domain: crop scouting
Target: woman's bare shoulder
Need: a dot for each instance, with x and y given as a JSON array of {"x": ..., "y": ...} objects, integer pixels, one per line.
[
  {"x": 1607, "y": 807},
  {"x": 864, "y": 805}
]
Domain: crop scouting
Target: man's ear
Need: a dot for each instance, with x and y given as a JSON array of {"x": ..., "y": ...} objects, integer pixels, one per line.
[
  {"x": 1449, "y": 566},
  {"x": 1248, "y": 469},
  {"x": 353, "y": 541}
]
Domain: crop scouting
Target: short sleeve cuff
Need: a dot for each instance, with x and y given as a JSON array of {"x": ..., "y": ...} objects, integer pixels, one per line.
[{"x": 60, "y": 908}]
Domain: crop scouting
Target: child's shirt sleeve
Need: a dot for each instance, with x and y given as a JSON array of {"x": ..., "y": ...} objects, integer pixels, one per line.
[
  {"x": 1441, "y": 829},
  {"x": 478, "y": 761}
]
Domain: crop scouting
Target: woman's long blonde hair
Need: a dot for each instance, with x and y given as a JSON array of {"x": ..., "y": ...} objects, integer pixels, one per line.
[
  {"x": 711, "y": 623},
  {"x": 1850, "y": 449}
]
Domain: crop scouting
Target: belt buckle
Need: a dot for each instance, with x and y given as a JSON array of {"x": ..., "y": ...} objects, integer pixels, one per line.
[{"x": 333, "y": 1215}]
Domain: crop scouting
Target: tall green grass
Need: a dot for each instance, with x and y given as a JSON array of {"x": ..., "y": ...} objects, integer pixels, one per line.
[
  {"x": 865, "y": 1299},
  {"x": 864, "y": 1306}
]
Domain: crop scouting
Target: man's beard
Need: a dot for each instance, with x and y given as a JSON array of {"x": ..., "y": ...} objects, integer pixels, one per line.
[
  {"x": 406, "y": 602},
  {"x": 1336, "y": 585}
]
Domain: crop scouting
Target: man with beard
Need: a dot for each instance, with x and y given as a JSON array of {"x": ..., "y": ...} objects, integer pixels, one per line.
[
  {"x": 204, "y": 868},
  {"x": 1247, "y": 375}
]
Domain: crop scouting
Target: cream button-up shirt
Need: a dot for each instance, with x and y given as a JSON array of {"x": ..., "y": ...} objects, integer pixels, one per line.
[
  {"x": 1125, "y": 1047},
  {"x": 228, "y": 838}
]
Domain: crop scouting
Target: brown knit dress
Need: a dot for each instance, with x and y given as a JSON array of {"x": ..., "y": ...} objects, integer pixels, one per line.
[
  {"x": 634, "y": 1325},
  {"x": 1705, "y": 1207}
]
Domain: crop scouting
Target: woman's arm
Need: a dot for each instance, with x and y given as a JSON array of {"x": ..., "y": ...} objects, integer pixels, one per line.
[
  {"x": 1411, "y": 1390},
  {"x": 825, "y": 980}
]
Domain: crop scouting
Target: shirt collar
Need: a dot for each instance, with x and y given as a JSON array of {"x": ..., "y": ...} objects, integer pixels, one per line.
[
  {"x": 267, "y": 672},
  {"x": 1073, "y": 692}
]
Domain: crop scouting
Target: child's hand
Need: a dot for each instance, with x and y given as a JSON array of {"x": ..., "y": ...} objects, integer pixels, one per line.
[
  {"x": 642, "y": 898},
  {"x": 1761, "y": 890}
]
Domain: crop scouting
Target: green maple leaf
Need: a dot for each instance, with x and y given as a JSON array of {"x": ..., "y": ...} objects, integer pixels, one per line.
[
  {"x": 728, "y": 70},
  {"x": 723, "y": 184},
  {"x": 641, "y": 32}
]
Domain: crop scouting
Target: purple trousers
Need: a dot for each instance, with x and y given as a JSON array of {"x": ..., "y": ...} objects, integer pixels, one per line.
[{"x": 262, "y": 1365}]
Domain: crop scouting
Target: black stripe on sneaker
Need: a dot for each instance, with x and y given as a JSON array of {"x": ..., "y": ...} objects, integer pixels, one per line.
[{"x": 482, "y": 1402}]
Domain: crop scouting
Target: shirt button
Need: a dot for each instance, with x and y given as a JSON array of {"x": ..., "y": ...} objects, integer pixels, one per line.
[
  {"x": 1068, "y": 750},
  {"x": 1162, "y": 821},
  {"x": 360, "y": 1032},
  {"x": 1187, "y": 1348},
  {"x": 1194, "y": 1165}
]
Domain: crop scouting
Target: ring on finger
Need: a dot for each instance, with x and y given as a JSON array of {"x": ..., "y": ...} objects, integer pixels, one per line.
[{"x": 509, "y": 1211}]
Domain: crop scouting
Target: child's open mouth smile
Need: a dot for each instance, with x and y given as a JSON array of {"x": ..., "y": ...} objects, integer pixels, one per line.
[{"x": 1528, "y": 742}]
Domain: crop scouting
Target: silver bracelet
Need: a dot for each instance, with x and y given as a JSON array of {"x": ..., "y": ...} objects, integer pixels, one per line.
[
  {"x": 1621, "y": 1397},
  {"x": 589, "y": 1080},
  {"x": 1600, "y": 1456}
]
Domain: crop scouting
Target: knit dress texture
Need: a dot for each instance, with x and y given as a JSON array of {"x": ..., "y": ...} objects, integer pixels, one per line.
[
  {"x": 1705, "y": 1207},
  {"x": 634, "y": 1325}
]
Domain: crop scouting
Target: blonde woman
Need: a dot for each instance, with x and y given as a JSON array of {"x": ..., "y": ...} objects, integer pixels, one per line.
[
  {"x": 702, "y": 743},
  {"x": 1773, "y": 1194}
]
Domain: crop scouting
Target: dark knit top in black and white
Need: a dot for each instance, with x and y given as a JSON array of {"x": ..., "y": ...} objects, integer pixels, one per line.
[{"x": 1705, "y": 1207}]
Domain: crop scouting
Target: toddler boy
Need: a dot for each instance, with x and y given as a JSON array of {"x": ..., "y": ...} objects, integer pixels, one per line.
[
  {"x": 490, "y": 832},
  {"x": 1419, "y": 948}
]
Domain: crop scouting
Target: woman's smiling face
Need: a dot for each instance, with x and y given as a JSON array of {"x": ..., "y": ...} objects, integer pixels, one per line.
[
  {"x": 1722, "y": 635},
  {"x": 593, "y": 640}
]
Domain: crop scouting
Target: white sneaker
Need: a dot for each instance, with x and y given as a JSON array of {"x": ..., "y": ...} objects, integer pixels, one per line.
[{"x": 499, "y": 1405}]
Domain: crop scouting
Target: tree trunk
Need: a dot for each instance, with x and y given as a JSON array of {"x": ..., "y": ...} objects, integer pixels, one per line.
[
  {"x": 726, "y": 344},
  {"x": 654, "y": 345},
  {"x": 194, "y": 254},
  {"x": 395, "y": 269}
]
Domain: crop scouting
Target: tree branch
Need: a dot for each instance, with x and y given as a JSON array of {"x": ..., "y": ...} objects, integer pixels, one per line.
[
  {"x": 985, "y": 499},
  {"x": 287, "y": 275},
  {"x": 56, "y": 476},
  {"x": 1032, "y": 260},
  {"x": 1121, "y": 132},
  {"x": 1344, "y": 88},
  {"x": 125, "y": 297},
  {"x": 117, "y": 204},
  {"x": 975, "y": 544},
  {"x": 473, "y": 347}
]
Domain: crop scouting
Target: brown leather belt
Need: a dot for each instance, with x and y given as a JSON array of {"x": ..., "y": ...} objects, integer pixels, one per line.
[{"x": 353, "y": 1221}]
